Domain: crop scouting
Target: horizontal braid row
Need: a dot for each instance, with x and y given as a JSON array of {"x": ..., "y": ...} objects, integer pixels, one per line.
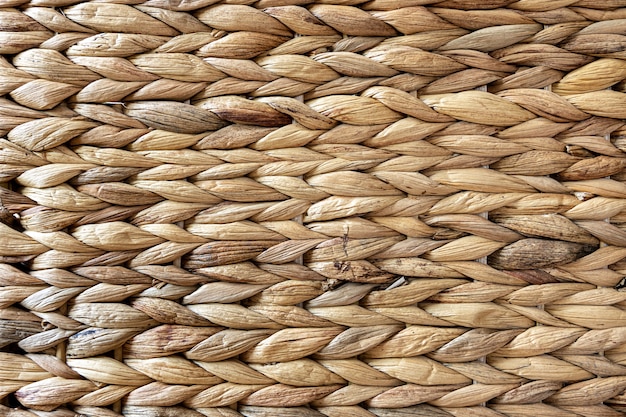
[
  {"x": 151, "y": 27},
  {"x": 35, "y": 72},
  {"x": 268, "y": 242},
  {"x": 95, "y": 328},
  {"x": 257, "y": 411},
  {"x": 115, "y": 66},
  {"x": 327, "y": 257},
  {"x": 383, "y": 105},
  {"x": 340, "y": 107},
  {"x": 400, "y": 381}
]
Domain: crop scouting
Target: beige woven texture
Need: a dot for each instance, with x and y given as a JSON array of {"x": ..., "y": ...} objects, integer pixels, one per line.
[{"x": 286, "y": 208}]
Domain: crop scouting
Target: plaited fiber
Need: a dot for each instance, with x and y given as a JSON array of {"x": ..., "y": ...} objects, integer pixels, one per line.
[{"x": 301, "y": 208}]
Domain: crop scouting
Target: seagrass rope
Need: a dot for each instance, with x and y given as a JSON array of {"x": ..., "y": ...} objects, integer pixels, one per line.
[{"x": 293, "y": 208}]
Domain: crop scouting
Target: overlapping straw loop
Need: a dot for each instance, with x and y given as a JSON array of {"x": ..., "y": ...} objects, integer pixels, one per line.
[{"x": 294, "y": 208}]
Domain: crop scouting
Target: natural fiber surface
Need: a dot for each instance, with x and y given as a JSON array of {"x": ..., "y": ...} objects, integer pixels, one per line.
[{"x": 286, "y": 208}]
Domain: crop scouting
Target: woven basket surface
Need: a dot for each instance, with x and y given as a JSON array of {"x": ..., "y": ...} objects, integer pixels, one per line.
[{"x": 342, "y": 208}]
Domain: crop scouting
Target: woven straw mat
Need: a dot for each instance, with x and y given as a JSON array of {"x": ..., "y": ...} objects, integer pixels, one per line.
[{"x": 285, "y": 208}]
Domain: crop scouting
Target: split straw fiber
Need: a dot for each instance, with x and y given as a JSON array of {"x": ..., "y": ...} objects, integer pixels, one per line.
[{"x": 287, "y": 208}]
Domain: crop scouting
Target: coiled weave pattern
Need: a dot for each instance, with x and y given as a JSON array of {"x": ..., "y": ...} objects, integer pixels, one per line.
[{"x": 294, "y": 208}]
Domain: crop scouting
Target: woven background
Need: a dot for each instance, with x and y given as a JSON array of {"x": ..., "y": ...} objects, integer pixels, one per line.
[{"x": 287, "y": 208}]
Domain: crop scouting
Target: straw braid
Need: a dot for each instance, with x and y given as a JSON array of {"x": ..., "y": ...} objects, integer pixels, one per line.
[
  {"x": 261, "y": 384},
  {"x": 146, "y": 312},
  {"x": 279, "y": 209},
  {"x": 92, "y": 239},
  {"x": 178, "y": 66}
]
